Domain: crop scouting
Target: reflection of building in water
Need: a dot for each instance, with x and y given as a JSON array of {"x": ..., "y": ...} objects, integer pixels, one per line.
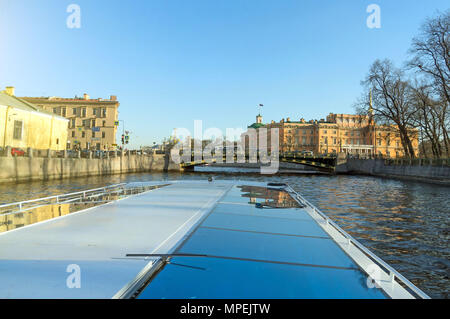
[
  {"x": 35, "y": 215},
  {"x": 270, "y": 197}
]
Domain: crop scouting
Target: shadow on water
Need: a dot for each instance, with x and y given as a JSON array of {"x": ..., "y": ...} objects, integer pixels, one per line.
[{"x": 405, "y": 223}]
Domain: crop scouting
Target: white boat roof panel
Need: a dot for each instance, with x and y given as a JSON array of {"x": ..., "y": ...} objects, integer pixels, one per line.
[{"x": 97, "y": 240}]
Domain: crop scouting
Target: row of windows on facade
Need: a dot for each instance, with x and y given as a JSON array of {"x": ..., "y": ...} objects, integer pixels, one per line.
[
  {"x": 83, "y": 134},
  {"x": 352, "y": 133},
  {"x": 334, "y": 141},
  {"x": 85, "y": 123},
  {"x": 354, "y": 120},
  {"x": 80, "y": 111}
]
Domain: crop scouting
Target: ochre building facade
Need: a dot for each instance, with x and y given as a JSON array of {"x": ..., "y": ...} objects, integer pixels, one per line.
[
  {"x": 92, "y": 122},
  {"x": 339, "y": 133}
]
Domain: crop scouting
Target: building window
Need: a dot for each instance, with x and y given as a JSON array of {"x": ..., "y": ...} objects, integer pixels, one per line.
[
  {"x": 93, "y": 123},
  {"x": 93, "y": 134},
  {"x": 73, "y": 133},
  {"x": 103, "y": 134},
  {"x": 84, "y": 112},
  {"x": 18, "y": 130},
  {"x": 74, "y": 111},
  {"x": 55, "y": 110},
  {"x": 104, "y": 112},
  {"x": 379, "y": 142},
  {"x": 83, "y": 134},
  {"x": 104, "y": 123},
  {"x": 64, "y": 111},
  {"x": 57, "y": 141},
  {"x": 73, "y": 122}
]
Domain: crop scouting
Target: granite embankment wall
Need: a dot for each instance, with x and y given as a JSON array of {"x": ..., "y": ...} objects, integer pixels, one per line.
[
  {"x": 17, "y": 169},
  {"x": 378, "y": 167}
]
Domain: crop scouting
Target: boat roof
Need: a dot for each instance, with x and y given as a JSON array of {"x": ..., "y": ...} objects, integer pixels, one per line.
[{"x": 195, "y": 239}]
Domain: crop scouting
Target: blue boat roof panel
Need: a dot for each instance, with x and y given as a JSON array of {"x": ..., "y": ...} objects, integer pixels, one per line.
[
  {"x": 266, "y": 224},
  {"x": 218, "y": 278},
  {"x": 261, "y": 246},
  {"x": 259, "y": 243},
  {"x": 250, "y": 210}
]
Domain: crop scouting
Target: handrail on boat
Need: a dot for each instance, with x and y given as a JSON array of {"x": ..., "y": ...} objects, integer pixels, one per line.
[
  {"x": 391, "y": 271},
  {"x": 60, "y": 196}
]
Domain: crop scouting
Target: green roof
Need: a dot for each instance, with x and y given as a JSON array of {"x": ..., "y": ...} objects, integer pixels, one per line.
[{"x": 256, "y": 125}]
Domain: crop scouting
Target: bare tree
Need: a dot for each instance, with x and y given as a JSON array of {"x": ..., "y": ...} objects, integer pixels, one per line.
[
  {"x": 427, "y": 118},
  {"x": 431, "y": 57},
  {"x": 392, "y": 100}
]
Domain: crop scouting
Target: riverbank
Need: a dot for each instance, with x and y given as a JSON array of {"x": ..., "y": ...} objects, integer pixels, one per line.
[
  {"x": 378, "y": 167},
  {"x": 21, "y": 169}
]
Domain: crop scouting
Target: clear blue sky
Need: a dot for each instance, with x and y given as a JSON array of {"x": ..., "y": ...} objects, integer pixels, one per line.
[{"x": 171, "y": 62}]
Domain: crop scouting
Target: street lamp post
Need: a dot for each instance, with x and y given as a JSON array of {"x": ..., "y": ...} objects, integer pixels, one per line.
[{"x": 123, "y": 132}]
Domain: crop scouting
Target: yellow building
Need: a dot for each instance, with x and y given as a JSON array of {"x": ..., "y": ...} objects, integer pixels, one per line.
[
  {"x": 92, "y": 122},
  {"x": 24, "y": 125},
  {"x": 339, "y": 133}
]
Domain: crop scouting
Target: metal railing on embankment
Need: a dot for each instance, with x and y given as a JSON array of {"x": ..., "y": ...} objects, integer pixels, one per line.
[
  {"x": 418, "y": 161},
  {"x": 47, "y": 153}
]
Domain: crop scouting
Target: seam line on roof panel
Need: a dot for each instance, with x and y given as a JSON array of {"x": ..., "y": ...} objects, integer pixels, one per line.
[
  {"x": 252, "y": 204},
  {"x": 263, "y": 232},
  {"x": 200, "y": 222},
  {"x": 279, "y": 262},
  {"x": 259, "y": 216}
]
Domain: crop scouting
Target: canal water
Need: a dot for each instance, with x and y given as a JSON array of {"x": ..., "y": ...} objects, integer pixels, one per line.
[{"x": 405, "y": 223}]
